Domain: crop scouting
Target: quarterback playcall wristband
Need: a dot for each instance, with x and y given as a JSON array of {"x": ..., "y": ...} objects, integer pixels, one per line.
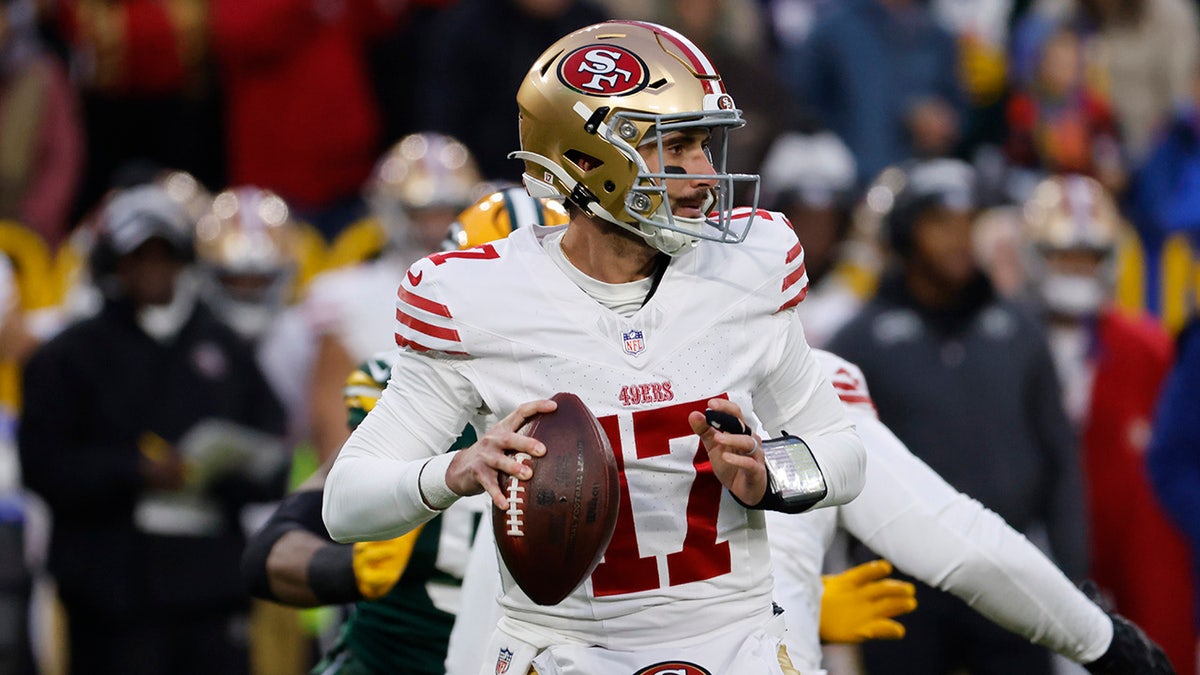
[{"x": 794, "y": 480}]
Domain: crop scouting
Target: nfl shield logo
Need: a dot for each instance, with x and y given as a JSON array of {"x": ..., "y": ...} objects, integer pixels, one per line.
[
  {"x": 503, "y": 661},
  {"x": 634, "y": 342}
]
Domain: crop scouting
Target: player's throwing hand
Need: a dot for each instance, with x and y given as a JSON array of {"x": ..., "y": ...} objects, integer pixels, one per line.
[{"x": 737, "y": 458}]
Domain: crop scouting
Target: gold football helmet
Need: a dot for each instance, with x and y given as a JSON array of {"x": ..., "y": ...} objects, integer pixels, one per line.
[
  {"x": 499, "y": 214},
  {"x": 1072, "y": 212},
  {"x": 422, "y": 172},
  {"x": 608, "y": 89},
  {"x": 247, "y": 247},
  {"x": 1073, "y": 227},
  {"x": 184, "y": 188}
]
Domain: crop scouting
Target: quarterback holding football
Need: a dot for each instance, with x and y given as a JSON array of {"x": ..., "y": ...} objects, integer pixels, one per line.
[{"x": 657, "y": 302}]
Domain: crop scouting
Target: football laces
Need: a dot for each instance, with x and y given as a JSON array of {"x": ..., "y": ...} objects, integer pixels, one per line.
[{"x": 515, "y": 500}]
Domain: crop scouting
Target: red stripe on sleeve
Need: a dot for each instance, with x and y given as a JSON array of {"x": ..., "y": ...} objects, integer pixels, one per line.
[
  {"x": 797, "y": 299},
  {"x": 794, "y": 253},
  {"x": 426, "y": 304},
  {"x": 427, "y": 328},
  {"x": 402, "y": 341},
  {"x": 793, "y": 277}
]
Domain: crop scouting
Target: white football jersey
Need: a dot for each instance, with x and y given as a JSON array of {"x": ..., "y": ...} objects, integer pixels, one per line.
[
  {"x": 356, "y": 305},
  {"x": 713, "y": 328},
  {"x": 686, "y": 560}
]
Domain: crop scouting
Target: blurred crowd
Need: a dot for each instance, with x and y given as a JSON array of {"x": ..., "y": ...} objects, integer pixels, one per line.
[{"x": 206, "y": 207}]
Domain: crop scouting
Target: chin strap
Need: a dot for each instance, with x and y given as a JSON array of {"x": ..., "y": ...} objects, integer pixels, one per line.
[{"x": 538, "y": 188}]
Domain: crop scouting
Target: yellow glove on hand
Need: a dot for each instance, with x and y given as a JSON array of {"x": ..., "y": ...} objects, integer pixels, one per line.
[
  {"x": 379, "y": 564},
  {"x": 859, "y": 604}
]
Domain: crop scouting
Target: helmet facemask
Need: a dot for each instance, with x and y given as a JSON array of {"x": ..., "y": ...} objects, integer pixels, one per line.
[{"x": 647, "y": 200}]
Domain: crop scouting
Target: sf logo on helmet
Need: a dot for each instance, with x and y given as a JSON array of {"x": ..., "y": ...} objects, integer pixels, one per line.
[{"x": 605, "y": 70}]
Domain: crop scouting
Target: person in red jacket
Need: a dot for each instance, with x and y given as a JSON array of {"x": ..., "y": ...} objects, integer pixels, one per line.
[
  {"x": 301, "y": 118},
  {"x": 1112, "y": 367}
]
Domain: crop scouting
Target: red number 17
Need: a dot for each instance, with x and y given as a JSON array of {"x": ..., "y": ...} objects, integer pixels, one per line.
[{"x": 624, "y": 570}]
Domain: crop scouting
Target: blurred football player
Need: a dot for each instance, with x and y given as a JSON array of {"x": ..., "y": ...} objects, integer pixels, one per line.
[
  {"x": 656, "y": 280},
  {"x": 416, "y": 191},
  {"x": 247, "y": 255},
  {"x": 1112, "y": 365},
  {"x": 810, "y": 179},
  {"x": 415, "y": 577}
]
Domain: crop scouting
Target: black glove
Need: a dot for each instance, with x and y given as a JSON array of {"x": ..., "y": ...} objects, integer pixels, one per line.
[{"x": 1131, "y": 652}]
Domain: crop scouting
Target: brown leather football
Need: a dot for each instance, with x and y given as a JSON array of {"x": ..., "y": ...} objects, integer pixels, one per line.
[{"x": 559, "y": 522}]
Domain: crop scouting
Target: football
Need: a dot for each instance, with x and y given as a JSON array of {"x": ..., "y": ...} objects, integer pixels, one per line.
[{"x": 559, "y": 522}]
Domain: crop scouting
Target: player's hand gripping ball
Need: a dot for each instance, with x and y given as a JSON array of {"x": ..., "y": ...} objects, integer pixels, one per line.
[{"x": 559, "y": 522}]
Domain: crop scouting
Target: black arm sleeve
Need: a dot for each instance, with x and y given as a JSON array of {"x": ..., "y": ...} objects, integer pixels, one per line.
[{"x": 331, "y": 570}]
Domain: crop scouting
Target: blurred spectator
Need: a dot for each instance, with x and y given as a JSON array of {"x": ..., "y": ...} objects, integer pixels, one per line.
[
  {"x": 1112, "y": 366},
  {"x": 1174, "y": 456},
  {"x": 1057, "y": 123},
  {"x": 41, "y": 139},
  {"x": 981, "y": 28},
  {"x": 966, "y": 378},
  {"x": 479, "y": 52},
  {"x": 415, "y": 192},
  {"x": 810, "y": 179},
  {"x": 732, "y": 35},
  {"x": 1147, "y": 51},
  {"x": 301, "y": 116},
  {"x": 143, "y": 66},
  {"x": 1163, "y": 203},
  {"x": 792, "y": 21},
  {"x": 882, "y": 74},
  {"x": 145, "y": 429},
  {"x": 393, "y": 58}
]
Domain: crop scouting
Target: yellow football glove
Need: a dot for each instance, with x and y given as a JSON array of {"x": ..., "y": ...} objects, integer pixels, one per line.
[
  {"x": 379, "y": 564},
  {"x": 859, "y": 604}
]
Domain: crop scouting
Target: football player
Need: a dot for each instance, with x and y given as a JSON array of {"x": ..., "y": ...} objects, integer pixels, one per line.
[
  {"x": 656, "y": 280},
  {"x": 415, "y": 192},
  {"x": 1112, "y": 365},
  {"x": 247, "y": 255}
]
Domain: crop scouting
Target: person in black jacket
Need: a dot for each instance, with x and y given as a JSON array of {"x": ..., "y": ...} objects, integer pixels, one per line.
[
  {"x": 146, "y": 428},
  {"x": 965, "y": 379}
]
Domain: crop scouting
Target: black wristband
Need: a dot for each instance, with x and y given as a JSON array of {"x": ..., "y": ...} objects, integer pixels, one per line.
[
  {"x": 254, "y": 558},
  {"x": 331, "y": 575},
  {"x": 794, "y": 479}
]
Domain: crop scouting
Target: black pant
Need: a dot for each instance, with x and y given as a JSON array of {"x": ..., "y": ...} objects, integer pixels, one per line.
[
  {"x": 157, "y": 644},
  {"x": 944, "y": 635}
]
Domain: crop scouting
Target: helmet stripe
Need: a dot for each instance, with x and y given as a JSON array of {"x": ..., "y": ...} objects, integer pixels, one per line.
[{"x": 697, "y": 58}]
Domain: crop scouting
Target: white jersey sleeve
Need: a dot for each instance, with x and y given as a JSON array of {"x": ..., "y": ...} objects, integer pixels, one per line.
[
  {"x": 911, "y": 516},
  {"x": 798, "y": 398},
  {"x": 931, "y": 531},
  {"x": 373, "y": 491}
]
